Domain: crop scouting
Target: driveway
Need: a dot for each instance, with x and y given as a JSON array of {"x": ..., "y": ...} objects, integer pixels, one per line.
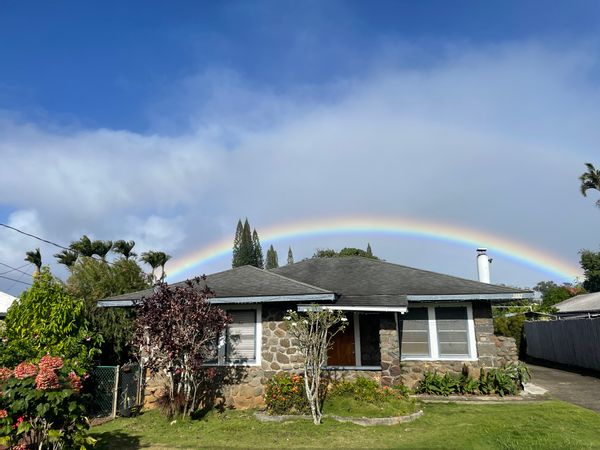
[{"x": 582, "y": 390}]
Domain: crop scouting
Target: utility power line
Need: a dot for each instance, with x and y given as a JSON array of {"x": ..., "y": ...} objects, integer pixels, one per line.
[
  {"x": 14, "y": 269},
  {"x": 16, "y": 281}
]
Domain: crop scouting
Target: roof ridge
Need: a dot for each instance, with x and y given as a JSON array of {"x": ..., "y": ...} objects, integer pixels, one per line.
[{"x": 381, "y": 261}]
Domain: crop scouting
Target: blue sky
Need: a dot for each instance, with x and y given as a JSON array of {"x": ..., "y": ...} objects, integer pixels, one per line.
[
  {"x": 165, "y": 122},
  {"x": 104, "y": 64}
]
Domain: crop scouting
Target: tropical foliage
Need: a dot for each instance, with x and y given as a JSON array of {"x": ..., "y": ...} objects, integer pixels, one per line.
[
  {"x": 156, "y": 259},
  {"x": 590, "y": 263},
  {"x": 507, "y": 380},
  {"x": 346, "y": 251},
  {"x": 590, "y": 180},
  {"x": 42, "y": 406},
  {"x": 284, "y": 394},
  {"x": 176, "y": 333},
  {"x": 47, "y": 319},
  {"x": 35, "y": 258}
]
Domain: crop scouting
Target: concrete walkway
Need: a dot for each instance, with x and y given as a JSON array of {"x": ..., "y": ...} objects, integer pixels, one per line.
[{"x": 570, "y": 387}]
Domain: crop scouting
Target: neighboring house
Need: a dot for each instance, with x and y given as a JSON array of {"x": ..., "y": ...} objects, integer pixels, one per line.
[
  {"x": 402, "y": 321},
  {"x": 583, "y": 305},
  {"x": 5, "y": 301}
]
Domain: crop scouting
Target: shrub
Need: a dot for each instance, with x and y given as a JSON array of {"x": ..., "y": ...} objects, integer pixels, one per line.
[
  {"x": 507, "y": 380},
  {"x": 285, "y": 394},
  {"x": 367, "y": 390},
  {"x": 42, "y": 405}
]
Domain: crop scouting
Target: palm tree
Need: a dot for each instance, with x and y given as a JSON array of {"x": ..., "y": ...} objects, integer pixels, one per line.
[
  {"x": 101, "y": 248},
  {"x": 124, "y": 248},
  {"x": 590, "y": 180},
  {"x": 83, "y": 246},
  {"x": 35, "y": 257},
  {"x": 162, "y": 259},
  {"x": 152, "y": 259},
  {"x": 67, "y": 257}
]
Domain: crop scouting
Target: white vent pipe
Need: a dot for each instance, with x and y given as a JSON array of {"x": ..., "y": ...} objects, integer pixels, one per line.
[{"x": 483, "y": 265}]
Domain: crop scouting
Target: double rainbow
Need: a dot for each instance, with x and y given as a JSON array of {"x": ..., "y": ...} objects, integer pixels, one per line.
[{"x": 512, "y": 249}]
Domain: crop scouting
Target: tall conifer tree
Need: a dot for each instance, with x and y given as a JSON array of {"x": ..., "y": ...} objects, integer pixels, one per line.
[
  {"x": 246, "y": 247},
  {"x": 237, "y": 245},
  {"x": 369, "y": 251},
  {"x": 272, "y": 259},
  {"x": 257, "y": 253},
  {"x": 290, "y": 259}
]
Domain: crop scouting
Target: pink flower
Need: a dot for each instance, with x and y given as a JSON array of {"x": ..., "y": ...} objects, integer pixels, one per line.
[
  {"x": 5, "y": 374},
  {"x": 3, "y": 413},
  {"x": 24, "y": 370},
  {"x": 18, "y": 422},
  {"x": 51, "y": 362},
  {"x": 46, "y": 379},
  {"x": 75, "y": 381}
]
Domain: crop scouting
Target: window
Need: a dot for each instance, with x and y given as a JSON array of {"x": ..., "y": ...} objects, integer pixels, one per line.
[
  {"x": 452, "y": 331},
  {"x": 438, "y": 332},
  {"x": 239, "y": 344},
  {"x": 415, "y": 333},
  {"x": 241, "y": 336}
]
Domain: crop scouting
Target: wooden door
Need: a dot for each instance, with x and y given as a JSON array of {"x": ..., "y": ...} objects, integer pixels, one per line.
[{"x": 342, "y": 351}]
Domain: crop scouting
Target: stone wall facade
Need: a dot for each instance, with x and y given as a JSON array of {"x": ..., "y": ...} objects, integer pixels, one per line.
[{"x": 245, "y": 385}]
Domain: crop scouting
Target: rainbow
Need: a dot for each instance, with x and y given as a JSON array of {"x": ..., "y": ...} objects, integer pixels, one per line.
[{"x": 514, "y": 250}]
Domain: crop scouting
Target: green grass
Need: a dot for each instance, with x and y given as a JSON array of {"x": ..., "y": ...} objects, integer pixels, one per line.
[
  {"x": 545, "y": 425},
  {"x": 349, "y": 406}
]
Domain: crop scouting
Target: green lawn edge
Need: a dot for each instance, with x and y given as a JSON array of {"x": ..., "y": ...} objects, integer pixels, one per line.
[{"x": 548, "y": 425}]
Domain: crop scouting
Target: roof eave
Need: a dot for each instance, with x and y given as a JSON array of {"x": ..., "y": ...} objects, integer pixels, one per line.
[{"x": 462, "y": 297}]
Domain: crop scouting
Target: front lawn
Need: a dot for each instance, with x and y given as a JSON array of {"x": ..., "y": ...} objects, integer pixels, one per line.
[{"x": 545, "y": 425}]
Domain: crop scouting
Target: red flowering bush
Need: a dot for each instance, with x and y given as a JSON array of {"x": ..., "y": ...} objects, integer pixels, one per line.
[
  {"x": 285, "y": 394},
  {"x": 25, "y": 369},
  {"x": 51, "y": 362},
  {"x": 43, "y": 411},
  {"x": 5, "y": 374}
]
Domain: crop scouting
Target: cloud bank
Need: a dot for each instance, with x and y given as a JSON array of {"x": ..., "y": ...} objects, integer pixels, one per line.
[{"x": 493, "y": 138}]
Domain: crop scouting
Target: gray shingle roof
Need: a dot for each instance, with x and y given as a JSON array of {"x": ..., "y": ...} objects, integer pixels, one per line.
[
  {"x": 246, "y": 281},
  {"x": 356, "y": 276},
  {"x": 356, "y": 281}
]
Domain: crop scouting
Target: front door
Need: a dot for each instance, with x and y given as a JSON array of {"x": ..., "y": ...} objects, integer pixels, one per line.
[{"x": 342, "y": 351}]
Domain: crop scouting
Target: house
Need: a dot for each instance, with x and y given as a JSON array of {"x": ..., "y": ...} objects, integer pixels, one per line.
[
  {"x": 402, "y": 321},
  {"x": 583, "y": 305},
  {"x": 5, "y": 301}
]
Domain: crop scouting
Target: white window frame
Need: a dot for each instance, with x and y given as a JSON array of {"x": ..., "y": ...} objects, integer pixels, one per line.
[
  {"x": 357, "y": 349},
  {"x": 434, "y": 352},
  {"x": 221, "y": 348}
]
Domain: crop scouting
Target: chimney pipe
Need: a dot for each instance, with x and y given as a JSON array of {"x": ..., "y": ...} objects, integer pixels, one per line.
[{"x": 483, "y": 265}]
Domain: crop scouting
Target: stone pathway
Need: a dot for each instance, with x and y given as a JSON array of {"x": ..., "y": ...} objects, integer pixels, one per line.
[{"x": 581, "y": 390}]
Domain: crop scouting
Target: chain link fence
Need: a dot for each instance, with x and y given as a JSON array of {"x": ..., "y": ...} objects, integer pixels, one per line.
[{"x": 117, "y": 390}]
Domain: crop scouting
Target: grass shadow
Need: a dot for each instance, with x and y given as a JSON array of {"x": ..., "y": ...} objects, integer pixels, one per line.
[{"x": 116, "y": 439}]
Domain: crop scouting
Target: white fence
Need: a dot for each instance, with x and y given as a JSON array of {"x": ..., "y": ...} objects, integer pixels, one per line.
[{"x": 575, "y": 342}]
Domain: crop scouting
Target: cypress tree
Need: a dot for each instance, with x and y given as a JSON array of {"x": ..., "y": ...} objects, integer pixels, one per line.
[
  {"x": 257, "y": 253},
  {"x": 290, "y": 259},
  {"x": 246, "y": 246},
  {"x": 237, "y": 245},
  {"x": 369, "y": 251},
  {"x": 272, "y": 259}
]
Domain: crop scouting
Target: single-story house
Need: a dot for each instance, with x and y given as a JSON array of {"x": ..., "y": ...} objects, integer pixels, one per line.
[
  {"x": 402, "y": 321},
  {"x": 583, "y": 305}
]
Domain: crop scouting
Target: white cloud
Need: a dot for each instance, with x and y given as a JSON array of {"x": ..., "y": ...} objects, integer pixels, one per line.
[{"x": 492, "y": 138}]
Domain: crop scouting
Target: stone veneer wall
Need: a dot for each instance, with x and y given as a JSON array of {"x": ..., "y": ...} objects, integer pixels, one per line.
[
  {"x": 279, "y": 353},
  {"x": 492, "y": 351}
]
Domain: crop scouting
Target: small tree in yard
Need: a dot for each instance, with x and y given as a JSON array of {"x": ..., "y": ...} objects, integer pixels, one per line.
[
  {"x": 314, "y": 331},
  {"x": 176, "y": 333}
]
